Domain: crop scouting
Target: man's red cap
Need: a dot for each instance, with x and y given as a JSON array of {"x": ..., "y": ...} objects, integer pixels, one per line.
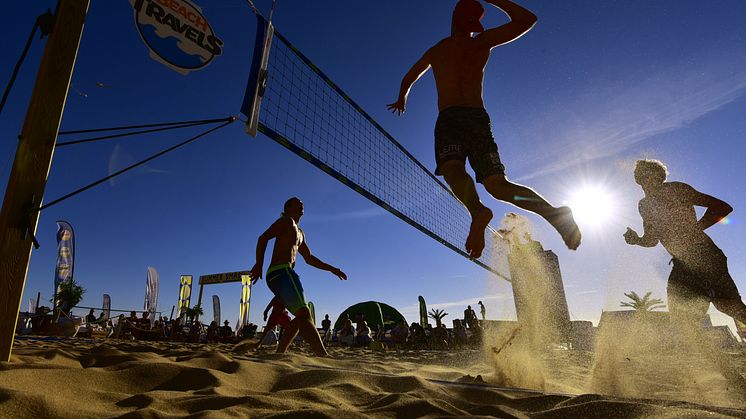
[{"x": 467, "y": 14}]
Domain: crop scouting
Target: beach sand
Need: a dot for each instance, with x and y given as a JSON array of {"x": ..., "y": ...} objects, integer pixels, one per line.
[{"x": 89, "y": 378}]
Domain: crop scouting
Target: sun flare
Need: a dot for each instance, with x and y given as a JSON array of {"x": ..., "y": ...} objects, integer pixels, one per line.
[{"x": 592, "y": 205}]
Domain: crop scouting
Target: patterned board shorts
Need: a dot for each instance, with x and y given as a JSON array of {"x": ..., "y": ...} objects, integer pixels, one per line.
[
  {"x": 462, "y": 133},
  {"x": 285, "y": 284}
]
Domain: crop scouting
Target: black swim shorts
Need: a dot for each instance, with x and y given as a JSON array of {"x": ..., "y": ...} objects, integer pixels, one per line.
[
  {"x": 709, "y": 280},
  {"x": 462, "y": 133}
]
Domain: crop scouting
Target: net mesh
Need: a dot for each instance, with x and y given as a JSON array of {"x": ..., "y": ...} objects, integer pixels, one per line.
[{"x": 305, "y": 111}]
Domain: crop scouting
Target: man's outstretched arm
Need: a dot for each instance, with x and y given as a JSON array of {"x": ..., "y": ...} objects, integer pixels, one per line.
[
  {"x": 521, "y": 21},
  {"x": 418, "y": 69},
  {"x": 318, "y": 263}
]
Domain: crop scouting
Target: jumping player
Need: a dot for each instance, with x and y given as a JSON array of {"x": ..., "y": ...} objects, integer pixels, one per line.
[{"x": 463, "y": 127}]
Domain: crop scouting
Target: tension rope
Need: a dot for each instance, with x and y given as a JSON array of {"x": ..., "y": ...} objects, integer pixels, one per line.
[{"x": 140, "y": 163}]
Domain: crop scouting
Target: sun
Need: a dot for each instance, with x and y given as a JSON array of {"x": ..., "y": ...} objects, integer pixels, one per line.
[{"x": 592, "y": 205}]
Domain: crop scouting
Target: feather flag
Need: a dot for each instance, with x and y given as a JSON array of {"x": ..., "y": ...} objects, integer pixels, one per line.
[{"x": 151, "y": 294}]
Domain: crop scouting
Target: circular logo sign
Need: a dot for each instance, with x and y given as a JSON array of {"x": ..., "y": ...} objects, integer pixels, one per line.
[{"x": 176, "y": 33}]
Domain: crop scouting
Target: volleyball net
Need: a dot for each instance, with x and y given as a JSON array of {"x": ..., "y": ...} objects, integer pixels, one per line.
[{"x": 293, "y": 102}]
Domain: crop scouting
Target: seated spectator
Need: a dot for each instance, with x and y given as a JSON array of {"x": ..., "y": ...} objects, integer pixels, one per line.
[
  {"x": 91, "y": 318},
  {"x": 346, "y": 336},
  {"x": 440, "y": 337},
  {"x": 144, "y": 321},
  {"x": 459, "y": 333},
  {"x": 226, "y": 331},
  {"x": 176, "y": 332},
  {"x": 379, "y": 333},
  {"x": 212, "y": 332},
  {"x": 417, "y": 335},
  {"x": 363, "y": 333},
  {"x": 400, "y": 333}
]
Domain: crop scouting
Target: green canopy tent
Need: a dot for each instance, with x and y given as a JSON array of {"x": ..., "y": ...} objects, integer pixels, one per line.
[{"x": 373, "y": 312}]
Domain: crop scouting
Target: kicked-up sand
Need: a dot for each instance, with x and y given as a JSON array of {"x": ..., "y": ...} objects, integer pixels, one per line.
[{"x": 109, "y": 378}]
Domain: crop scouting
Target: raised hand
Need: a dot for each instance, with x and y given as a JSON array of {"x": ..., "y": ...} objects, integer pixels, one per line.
[{"x": 396, "y": 107}]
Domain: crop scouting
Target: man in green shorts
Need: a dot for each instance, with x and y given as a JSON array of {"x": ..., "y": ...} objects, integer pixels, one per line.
[
  {"x": 282, "y": 279},
  {"x": 463, "y": 127}
]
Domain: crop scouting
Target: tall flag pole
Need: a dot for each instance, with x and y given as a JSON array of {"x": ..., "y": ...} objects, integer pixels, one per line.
[
  {"x": 151, "y": 294},
  {"x": 423, "y": 311},
  {"x": 243, "y": 313},
  {"x": 106, "y": 307},
  {"x": 216, "y": 309},
  {"x": 63, "y": 270},
  {"x": 185, "y": 294}
]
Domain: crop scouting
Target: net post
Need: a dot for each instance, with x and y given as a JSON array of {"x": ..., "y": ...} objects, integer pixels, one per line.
[{"x": 258, "y": 75}]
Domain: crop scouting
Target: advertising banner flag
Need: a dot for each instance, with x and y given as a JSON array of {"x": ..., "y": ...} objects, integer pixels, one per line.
[
  {"x": 185, "y": 294},
  {"x": 32, "y": 305},
  {"x": 63, "y": 270},
  {"x": 216, "y": 309},
  {"x": 107, "y": 307},
  {"x": 423, "y": 311},
  {"x": 151, "y": 294},
  {"x": 243, "y": 313}
]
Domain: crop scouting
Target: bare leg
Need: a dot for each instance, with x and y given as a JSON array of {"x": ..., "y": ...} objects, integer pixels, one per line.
[
  {"x": 463, "y": 187},
  {"x": 687, "y": 313},
  {"x": 302, "y": 323},
  {"x": 526, "y": 198}
]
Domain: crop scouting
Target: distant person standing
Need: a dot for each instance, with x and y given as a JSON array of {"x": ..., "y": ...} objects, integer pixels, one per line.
[
  {"x": 470, "y": 317},
  {"x": 326, "y": 324},
  {"x": 483, "y": 310},
  {"x": 281, "y": 276}
]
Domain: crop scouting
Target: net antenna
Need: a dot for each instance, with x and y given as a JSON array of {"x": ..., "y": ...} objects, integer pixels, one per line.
[
  {"x": 303, "y": 110},
  {"x": 258, "y": 74}
]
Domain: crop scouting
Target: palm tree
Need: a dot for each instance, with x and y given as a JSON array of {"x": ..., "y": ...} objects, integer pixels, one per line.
[
  {"x": 642, "y": 304},
  {"x": 437, "y": 315},
  {"x": 193, "y": 312},
  {"x": 69, "y": 294}
]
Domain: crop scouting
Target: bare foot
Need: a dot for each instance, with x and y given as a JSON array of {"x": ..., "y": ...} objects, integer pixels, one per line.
[
  {"x": 562, "y": 220},
  {"x": 475, "y": 240}
]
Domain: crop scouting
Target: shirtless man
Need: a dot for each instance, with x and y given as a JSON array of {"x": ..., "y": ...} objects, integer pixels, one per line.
[
  {"x": 700, "y": 270},
  {"x": 282, "y": 279},
  {"x": 463, "y": 127}
]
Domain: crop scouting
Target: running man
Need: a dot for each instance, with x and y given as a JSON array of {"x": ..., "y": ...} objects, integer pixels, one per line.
[
  {"x": 279, "y": 317},
  {"x": 463, "y": 127},
  {"x": 700, "y": 269},
  {"x": 282, "y": 279}
]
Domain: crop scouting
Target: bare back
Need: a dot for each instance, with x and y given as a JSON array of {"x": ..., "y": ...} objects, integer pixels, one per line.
[
  {"x": 670, "y": 212},
  {"x": 287, "y": 243},
  {"x": 458, "y": 64}
]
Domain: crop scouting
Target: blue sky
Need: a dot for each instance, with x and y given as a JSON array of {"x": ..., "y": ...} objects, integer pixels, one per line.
[{"x": 593, "y": 87}]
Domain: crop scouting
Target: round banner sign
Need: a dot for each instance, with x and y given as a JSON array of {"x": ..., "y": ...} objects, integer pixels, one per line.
[{"x": 176, "y": 33}]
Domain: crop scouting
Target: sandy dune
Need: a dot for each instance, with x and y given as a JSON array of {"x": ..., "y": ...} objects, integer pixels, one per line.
[{"x": 84, "y": 378}]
